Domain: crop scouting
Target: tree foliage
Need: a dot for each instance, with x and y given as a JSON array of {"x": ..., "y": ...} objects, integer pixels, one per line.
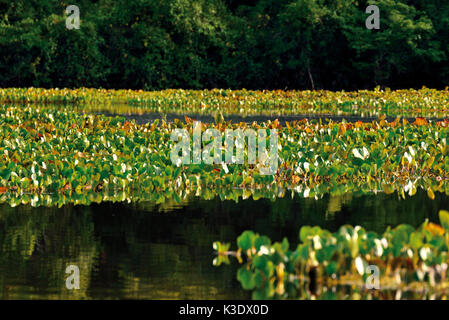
[{"x": 264, "y": 44}]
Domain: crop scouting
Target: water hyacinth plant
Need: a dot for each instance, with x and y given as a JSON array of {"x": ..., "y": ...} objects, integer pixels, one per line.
[
  {"x": 50, "y": 149},
  {"x": 405, "y": 103},
  {"x": 51, "y": 154},
  {"x": 407, "y": 258}
]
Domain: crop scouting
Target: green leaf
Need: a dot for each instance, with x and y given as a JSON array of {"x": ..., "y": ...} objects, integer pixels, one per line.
[
  {"x": 331, "y": 268},
  {"x": 262, "y": 241},
  {"x": 246, "y": 278},
  {"x": 304, "y": 233},
  {"x": 264, "y": 264},
  {"x": 246, "y": 240},
  {"x": 444, "y": 219}
]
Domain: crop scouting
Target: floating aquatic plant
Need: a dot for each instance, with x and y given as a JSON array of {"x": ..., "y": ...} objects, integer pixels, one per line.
[
  {"x": 405, "y": 103},
  {"x": 50, "y": 149},
  {"x": 407, "y": 258}
]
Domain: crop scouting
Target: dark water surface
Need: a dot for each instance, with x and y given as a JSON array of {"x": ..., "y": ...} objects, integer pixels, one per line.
[
  {"x": 148, "y": 251},
  {"x": 170, "y": 117}
]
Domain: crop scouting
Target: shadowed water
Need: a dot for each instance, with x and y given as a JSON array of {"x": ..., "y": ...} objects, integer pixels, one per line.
[
  {"x": 170, "y": 117},
  {"x": 148, "y": 251}
]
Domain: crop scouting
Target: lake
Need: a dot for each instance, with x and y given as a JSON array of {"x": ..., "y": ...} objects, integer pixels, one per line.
[{"x": 145, "y": 250}]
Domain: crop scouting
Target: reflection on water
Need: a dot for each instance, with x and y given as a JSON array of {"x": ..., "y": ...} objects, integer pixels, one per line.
[
  {"x": 366, "y": 112},
  {"x": 139, "y": 251},
  {"x": 145, "y": 117}
]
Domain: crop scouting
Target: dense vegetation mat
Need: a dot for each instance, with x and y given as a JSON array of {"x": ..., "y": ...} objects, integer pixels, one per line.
[
  {"x": 405, "y": 258},
  {"x": 57, "y": 150},
  {"x": 404, "y": 103}
]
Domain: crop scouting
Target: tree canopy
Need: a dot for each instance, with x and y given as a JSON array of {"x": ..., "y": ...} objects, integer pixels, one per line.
[{"x": 253, "y": 44}]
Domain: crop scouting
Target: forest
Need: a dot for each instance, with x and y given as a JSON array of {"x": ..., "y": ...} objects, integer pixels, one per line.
[{"x": 204, "y": 44}]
